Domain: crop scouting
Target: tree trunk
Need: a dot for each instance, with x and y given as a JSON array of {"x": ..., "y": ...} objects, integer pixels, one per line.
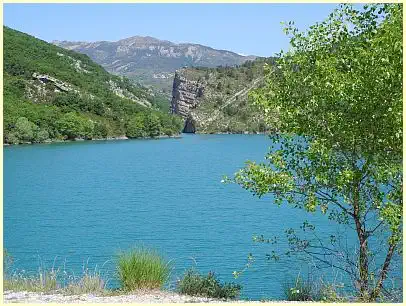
[
  {"x": 384, "y": 272},
  {"x": 363, "y": 261},
  {"x": 363, "y": 247}
]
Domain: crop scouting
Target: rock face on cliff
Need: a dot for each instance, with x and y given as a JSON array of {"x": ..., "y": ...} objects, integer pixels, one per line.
[
  {"x": 185, "y": 94},
  {"x": 215, "y": 100},
  {"x": 152, "y": 61}
]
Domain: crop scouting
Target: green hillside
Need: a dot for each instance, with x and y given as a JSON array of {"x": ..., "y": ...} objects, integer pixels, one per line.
[{"x": 51, "y": 93}]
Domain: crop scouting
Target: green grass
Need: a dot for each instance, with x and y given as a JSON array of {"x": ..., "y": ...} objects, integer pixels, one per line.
[
  {"x": 142, "y": 268},
  {"x": 195, "y": 284}
]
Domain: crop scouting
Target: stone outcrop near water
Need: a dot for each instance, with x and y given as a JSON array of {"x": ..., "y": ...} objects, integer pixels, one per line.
[{"x": 185, "y": 94}]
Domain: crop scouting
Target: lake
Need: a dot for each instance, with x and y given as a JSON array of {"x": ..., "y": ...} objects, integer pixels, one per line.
[{"x": 80, "y": 203}]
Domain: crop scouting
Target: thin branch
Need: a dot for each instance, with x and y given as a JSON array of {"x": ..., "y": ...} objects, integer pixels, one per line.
[
  {"x": 336, "y": 202},
  {"x": 369, "y": 233},
  {"x": 330, "y": 264}
]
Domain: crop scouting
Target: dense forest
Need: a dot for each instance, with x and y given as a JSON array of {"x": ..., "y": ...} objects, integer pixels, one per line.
[{"x": 55, "y": 94}]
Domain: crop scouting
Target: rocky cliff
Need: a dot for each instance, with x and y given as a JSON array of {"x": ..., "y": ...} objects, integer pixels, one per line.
[
  {"x": 215, "y": 100},
  {"x": 185, "y": 94}
]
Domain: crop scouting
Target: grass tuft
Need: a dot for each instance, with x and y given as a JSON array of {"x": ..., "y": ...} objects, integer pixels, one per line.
[
  {"x": 299, "y": 290},
  {"x": 44, "y": 281},
  {"x": 54, "y": 280},
  {"x": 89, "y": 282},
  {"x": 142, "y": 268}
]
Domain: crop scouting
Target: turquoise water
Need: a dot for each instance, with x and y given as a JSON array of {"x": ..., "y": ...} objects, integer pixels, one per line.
[{"x": 77, "y": 203}]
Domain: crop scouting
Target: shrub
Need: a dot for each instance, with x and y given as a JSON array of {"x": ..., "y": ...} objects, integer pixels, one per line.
[
  {"x": 142, "y": 268},
  {"x": 195, "y": 284}
]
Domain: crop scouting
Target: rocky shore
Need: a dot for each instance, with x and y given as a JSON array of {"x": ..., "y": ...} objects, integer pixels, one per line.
[
  {"x": 155, "y": 296},
  {"x": 96, "y": 139}
]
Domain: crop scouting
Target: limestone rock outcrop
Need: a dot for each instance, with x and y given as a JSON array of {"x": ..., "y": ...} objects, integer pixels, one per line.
[
  {"x": 185, "y": 94},
  {"x": 44, "y": 79}
]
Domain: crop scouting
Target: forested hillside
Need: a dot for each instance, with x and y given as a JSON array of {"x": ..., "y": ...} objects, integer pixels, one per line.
[{"x": 55, "y": 94}]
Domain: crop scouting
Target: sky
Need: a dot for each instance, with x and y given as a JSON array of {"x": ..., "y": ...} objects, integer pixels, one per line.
[{"x": 249, "y": 29}]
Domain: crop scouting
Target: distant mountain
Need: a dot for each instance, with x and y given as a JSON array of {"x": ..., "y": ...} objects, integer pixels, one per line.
[{"x": 152, "y": 61}]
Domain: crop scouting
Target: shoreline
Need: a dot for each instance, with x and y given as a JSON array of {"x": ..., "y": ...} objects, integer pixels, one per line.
[
  {"x": 94, "y": 139},
  {"x": 231, "y": 133},
  {"x": 142, "y": 297},
  {"x": 178, "y": 136}
]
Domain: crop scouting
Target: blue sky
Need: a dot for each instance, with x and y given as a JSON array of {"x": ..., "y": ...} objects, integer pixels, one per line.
[{"x": 243, "y": 28}]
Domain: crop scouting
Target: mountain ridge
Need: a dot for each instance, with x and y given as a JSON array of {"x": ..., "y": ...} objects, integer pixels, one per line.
[
  {"x": 151, "y": 38},
  {"x": 152, "y": 61}
]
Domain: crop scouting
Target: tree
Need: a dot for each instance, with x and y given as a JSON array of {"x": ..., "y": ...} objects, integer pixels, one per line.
[
  {"x": 72, "y": 125},
  {"x": 25, "y": 129},
  {"x": 136, "y": 126},
  {"x": 42, "y": 136},
  {"x": 177, "y": 123},
  {"x": 338, "y": 149},
  {"x": 69, "y": 125},
  {"x": 87, "y": 128},
  {"x": 12, "y": 138},
  {"x": 153, "y": 125},
  {"x": 100, "y": 130}
]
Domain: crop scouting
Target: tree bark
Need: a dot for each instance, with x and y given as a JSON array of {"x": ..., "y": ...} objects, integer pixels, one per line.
[
  {"x": 363, "y": 246},
  {"x": 384, "y": 272}
]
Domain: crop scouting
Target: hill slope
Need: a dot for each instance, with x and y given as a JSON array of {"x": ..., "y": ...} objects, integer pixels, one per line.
[
  {"x": 150, "y": 60},
  {"x": 51, "y": 93},
  {"x": 213, "y": 100}
]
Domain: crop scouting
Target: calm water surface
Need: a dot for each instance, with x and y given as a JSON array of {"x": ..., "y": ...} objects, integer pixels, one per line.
[{"x": 80, "y": 203}]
